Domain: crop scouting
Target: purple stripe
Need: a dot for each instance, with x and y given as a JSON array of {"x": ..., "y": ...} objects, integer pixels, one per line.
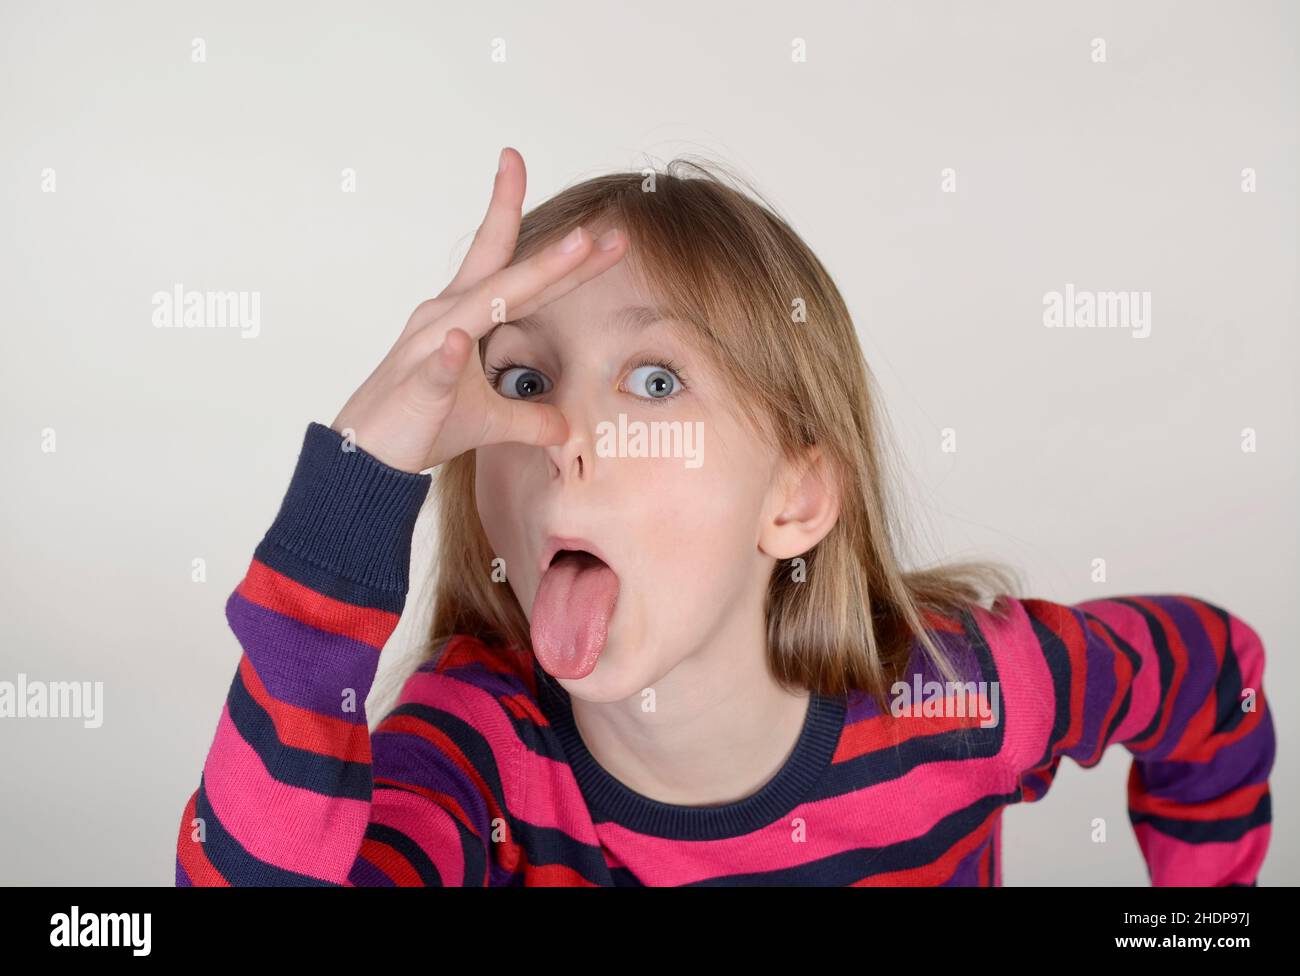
[
  {"x": 1200, "y": 679},
  {"x": 499, "y": 683},
  {"x": 1101, "y": 686},
  {"x": 366, "y": 875},
  {"x": 860, "y": 706},
  {"x": 408, "y": 758},
  {"x": 1244, "y": 762},
  {"x": 301, "y": 665},
  {"x": 1037, "y": 783},
  {"x": 960, "y": 654},
  {"x": 968, "y": 871}
]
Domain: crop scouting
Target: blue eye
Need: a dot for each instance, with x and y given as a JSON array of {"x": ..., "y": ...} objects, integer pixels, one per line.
[
  {"x": 653, "y": 382},
  {"x": 519, "y": 382}
]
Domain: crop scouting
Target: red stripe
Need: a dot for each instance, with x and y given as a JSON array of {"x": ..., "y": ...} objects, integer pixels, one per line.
[
  {"x": 1238, "y": 803},
  {"x": 937, "y": 871},
  {"x": 1202, "y": 741},
  {"x": 522, "y": 706},
  {"x": 191, "y": 853},
  {"x": 388, "y": 860},
  {"x": 1168, "y": 695},
  {"x": 411, "y": 725},
  {"x": 444, "y": 800},
  {"x": 876, "y": 732},
  {"x": 1066, "y": 627},
  {"x": 462, "y": 650},
  {"x": 273, "y": 590},
  {"x": 555, "y": 876},
  {"x": 303, "y": 728}
]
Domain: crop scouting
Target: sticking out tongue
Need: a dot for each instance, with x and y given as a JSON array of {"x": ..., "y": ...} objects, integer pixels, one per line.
[{"x": 571, "y": 614}]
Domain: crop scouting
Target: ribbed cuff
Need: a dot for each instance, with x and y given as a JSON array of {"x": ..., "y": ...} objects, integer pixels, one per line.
[{"x": 346, "y": 515}]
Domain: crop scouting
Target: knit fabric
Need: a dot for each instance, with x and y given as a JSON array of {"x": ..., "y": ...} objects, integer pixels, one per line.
[{"x": 479, "y": 775}]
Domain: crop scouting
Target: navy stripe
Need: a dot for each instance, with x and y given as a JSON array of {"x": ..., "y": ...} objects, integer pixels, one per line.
[
  {"x": 1209, "y": 831},
  {"x": 411, "y": 852},
  {"x": 236, "y": 865},
  {"x": 325, "y": 775}
]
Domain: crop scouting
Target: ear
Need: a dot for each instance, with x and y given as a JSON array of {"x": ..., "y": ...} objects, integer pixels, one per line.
[{"x": 802, "y": 507}]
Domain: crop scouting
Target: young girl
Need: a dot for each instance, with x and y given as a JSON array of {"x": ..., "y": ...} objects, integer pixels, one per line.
[{"x": 672, "y": 640}]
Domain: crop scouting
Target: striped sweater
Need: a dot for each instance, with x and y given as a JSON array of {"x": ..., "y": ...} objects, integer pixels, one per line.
[{"x": 479, "y": 776}]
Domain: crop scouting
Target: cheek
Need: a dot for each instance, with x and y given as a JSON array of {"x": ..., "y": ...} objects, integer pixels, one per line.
[
  {"x": 497, "y": 496},
  {"x": 695, "y": 529}
]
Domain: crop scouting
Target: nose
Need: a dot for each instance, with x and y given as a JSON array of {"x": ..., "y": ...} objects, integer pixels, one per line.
[
  {"x": 569, "y": 465},
  {"x": 572, "y": 460}
]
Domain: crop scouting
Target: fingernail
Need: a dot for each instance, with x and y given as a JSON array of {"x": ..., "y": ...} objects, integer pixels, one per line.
[
  {"x": 572, "y": 242},
  {"x": 501, "y": 162},
  {"x": 607, "y": 240}
]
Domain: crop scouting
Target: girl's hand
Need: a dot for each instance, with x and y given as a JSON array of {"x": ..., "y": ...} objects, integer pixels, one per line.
[{"x": 428, "y": 401}]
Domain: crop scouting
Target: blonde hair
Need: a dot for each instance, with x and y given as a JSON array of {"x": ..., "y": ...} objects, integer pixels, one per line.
[{"x": 728, "y": 265}]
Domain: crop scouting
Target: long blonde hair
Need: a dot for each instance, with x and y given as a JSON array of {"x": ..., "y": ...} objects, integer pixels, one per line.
[{"x": 776, "y": 327}]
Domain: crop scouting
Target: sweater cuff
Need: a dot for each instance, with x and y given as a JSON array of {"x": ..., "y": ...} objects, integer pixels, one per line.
[{"x": 348, "y": 519}]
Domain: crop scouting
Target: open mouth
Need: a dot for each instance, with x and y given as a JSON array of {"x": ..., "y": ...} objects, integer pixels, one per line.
[
  {"x": 558, "y": 548},
  {"x": 581, "y": 555},
  {"x": 571, "y": 612}
]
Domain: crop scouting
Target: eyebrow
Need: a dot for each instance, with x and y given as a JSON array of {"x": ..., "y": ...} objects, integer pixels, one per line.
[{"x": 630, "y": 318}]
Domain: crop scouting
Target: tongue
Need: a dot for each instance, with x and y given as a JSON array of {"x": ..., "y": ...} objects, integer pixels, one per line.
[{"x": 571, "y": 614}]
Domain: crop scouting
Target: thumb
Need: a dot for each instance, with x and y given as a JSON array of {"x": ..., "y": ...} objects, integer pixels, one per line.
[{"x": 524, "y": 422}]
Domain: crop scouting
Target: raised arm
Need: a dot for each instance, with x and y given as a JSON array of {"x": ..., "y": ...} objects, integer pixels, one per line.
[
  {"x": 1178, "y": 681},
  {"x": 287, "y": 795}
]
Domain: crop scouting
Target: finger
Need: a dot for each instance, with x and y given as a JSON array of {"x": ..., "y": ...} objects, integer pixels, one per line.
[
  {"x": 524, "y": 422},
  {"x": 440, "y": 371},
  {"x": 494, "y": 241},
  {"x": 495, "y": 298},
  {"x": 427, "y": 311},
  {"x": 600, "y": 260}
]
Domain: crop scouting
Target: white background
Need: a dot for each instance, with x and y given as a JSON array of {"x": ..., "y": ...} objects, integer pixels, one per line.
[{"x": 175, "y": 444}]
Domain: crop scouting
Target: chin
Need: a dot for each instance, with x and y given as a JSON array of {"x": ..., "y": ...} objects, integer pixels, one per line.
[{"x": 611, "y": 680}]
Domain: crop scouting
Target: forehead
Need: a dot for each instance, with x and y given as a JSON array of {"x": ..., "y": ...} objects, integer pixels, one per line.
[
  {"x": 613, "y": 286},
  {"x": 613, "y": 299}
]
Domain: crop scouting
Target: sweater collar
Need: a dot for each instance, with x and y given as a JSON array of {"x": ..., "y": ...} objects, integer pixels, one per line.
[{"x": 610, "y": 800}]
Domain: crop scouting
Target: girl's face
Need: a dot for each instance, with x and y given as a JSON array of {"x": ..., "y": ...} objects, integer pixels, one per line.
[{"x": 682, "y": 533}]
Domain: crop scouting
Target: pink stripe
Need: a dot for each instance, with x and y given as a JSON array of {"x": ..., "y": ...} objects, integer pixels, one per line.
[
  {"x": 1250, "y": 652},
  {"x": 283, "y": 825},
  {"x": 918, "y": 800},
  {"x": 1129, "y": 624},
  {"x": 429, "y": 826},
  {"x": 1028, "y": 703},
  {"x": 479, "y": 708},
  {"x": 914, "y": 804},
  {"x": 554, "y": 801},
  {"x": 1175, "y": 862}
]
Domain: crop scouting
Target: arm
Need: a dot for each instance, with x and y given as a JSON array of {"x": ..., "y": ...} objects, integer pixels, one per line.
[
  {"x": 1178, "y": 681},
  {"x": 287, "y": 795}
]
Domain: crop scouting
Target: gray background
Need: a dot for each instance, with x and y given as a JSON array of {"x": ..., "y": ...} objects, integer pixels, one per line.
[{"x": 175, "y": 444}]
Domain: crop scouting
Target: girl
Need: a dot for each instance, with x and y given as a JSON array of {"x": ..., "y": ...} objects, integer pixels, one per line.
[{"x": 672, "y": 640}]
